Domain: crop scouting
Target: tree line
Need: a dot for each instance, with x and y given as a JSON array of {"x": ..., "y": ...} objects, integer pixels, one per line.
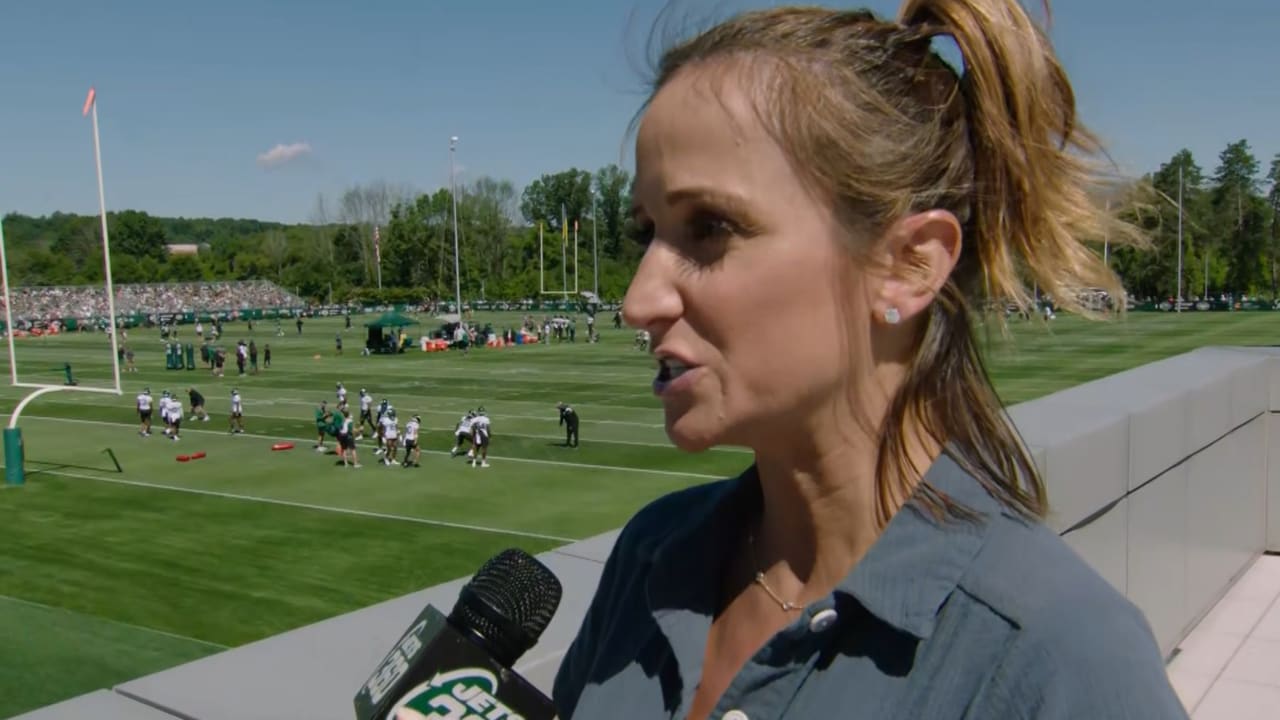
[
  {"x": 512, "y": 244},
  {"x": 1230, "y": 243}
]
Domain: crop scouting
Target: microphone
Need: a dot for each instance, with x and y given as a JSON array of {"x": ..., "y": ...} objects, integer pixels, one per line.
[{"x": 459, "y": 667}]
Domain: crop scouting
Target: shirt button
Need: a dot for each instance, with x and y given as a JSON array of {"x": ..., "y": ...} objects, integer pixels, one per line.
[
  {"x": 735, "y": 715},
  {"x": 823, "y": 620}
]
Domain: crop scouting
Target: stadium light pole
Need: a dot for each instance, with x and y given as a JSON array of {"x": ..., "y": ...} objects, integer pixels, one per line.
[
  {"x": 453, "y": 191},
  {"x": 1177, "y": 300},
  {"x": 595, "y": 247}
]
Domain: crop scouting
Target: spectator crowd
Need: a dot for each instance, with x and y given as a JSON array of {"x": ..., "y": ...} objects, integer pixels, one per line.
[{"x": 43, "y": 304}]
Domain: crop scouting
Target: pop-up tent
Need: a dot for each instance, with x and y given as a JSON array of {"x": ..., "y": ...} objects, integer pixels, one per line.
[{"x": 379, "y": 341}]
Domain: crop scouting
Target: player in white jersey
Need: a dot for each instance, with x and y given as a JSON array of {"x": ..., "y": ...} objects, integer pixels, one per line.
[
  {"x": 390, "y": 438},
  {"x": 462, "y": 435},
  {"x": 411, "y": 450},
  {"x": 144, "y": 412},
  {"x": 342, "y": 399},
  {"x": 384, "y": 407},
  {"x": 175, "y": 417},
  {"x": 164, "y": 412},
  {"x": 480, "y": 438},
  {"x": 237, "y": 412},
  {"x": 366, "y": 414}
]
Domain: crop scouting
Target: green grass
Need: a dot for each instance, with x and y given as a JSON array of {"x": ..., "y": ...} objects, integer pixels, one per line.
[{"x": 106, "y": 576}]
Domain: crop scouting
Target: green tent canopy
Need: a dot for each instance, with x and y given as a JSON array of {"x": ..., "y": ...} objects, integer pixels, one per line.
[{"x": 392, "y": 320}]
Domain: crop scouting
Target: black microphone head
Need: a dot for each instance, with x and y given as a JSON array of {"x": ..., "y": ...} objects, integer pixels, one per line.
[{"x": 507, "y": 604}]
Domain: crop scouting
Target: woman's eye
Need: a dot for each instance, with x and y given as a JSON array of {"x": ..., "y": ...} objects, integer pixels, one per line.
[
  {"x": 641, "y": 233},
  {"x": 708, "y": 226}
]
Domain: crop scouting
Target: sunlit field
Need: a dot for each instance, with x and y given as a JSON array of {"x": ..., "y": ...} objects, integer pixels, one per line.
[{"x": 106, "y": 575}]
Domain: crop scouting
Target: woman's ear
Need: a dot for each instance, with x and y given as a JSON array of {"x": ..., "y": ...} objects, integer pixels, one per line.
[{"x": 919, "y": 252}]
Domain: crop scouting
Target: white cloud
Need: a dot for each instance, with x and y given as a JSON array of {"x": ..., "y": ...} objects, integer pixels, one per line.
[{"x": 283, "y": 154}]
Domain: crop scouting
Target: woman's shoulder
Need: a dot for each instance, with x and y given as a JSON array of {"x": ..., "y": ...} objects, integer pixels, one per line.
[
  {"x": 1078, "y": 642},
  {"x": 1029, "y": 573}
]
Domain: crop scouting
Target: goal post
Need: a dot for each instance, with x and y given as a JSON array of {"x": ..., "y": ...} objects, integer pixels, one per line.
[
  {"x": 14, "y": 452},
  {"x": 566, "y": 292}
]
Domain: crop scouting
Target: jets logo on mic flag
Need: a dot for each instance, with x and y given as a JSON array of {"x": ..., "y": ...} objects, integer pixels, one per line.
[
  {"x": 460, "y": 666},
  {"x": 466, "y": 693},
  {"x": 88, "y": 102}
]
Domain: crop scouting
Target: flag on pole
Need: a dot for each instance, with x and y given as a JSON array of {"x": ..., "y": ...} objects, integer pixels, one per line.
[
  {"x": 88, "y": 101},
  {"x": 377, "y": 246},
  {"x": 564, "y": 226}
]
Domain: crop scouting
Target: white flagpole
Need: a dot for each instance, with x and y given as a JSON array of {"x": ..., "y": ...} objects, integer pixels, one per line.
[
  {"x": 1106, "y": 241},
  {"x": 1178, "y": 299},
  {"x": 453, "y": 191},
  {"x": 106, "y": 248},
  {"x": 595, "y": 249},
  {"x": 542, "y": 274},
  {"x": 377, "y": 254},
  {"x": 575, "y": 257},
  {"x": 8, "y": 309}
]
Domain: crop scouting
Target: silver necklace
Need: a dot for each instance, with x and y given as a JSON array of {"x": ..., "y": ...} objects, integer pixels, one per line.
[{"x": 786, "y": 605}]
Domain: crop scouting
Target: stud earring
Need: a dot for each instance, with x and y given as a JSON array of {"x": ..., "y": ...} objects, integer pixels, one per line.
[{"x": 892, "y": 316}]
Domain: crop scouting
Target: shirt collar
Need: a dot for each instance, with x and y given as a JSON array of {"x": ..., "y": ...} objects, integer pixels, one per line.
[
  {"x": 918, "y": 561},
  {"x": 903, "y": 580}
]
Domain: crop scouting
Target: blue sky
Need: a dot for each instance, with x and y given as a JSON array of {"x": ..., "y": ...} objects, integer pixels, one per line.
[{"x": 190, "y": 94}]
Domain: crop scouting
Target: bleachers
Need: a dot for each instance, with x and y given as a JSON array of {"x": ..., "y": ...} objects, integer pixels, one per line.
[{"x": 83, "y": 302}]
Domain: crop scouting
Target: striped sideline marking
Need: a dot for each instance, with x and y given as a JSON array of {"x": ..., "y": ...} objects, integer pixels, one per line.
[
  {"x": 113, "y": 621},
  {"x": 560, "y": 463},
  {"x": 307, "y": 506}
]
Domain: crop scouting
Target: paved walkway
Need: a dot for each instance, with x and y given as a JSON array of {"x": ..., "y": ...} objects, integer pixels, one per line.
[{"x": 1228, "y": 668}]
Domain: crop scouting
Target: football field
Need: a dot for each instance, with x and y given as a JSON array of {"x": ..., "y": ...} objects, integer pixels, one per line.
[{"x": 106, "y": 575}]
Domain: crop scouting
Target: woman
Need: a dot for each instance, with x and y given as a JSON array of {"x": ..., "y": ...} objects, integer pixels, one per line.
[{"x": 821, "y": 196}]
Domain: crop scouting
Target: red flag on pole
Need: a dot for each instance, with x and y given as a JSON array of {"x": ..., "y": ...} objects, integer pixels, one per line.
[{"x": 88, "y": 101}]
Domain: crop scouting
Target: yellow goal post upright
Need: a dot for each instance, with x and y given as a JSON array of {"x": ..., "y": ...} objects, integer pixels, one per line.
[
  {"x": 565, "y": 293},
  {"x": 14, "y": 453}
]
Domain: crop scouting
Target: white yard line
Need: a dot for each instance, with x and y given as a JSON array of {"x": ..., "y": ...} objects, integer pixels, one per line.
[{"x": 308, "y": 506}]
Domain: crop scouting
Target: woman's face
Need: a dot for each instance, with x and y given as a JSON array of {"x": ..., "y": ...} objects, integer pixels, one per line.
[{"x": 745, "y": 283}]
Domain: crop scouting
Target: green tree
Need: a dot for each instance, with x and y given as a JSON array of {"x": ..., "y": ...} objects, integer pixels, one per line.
[
  {"x": 1153, "y": 272},
  {"x": 184, "y": 268},
  {"x": 553, "y": 199},
  {"x": 136, "y": 233},
  {"x": 1239, "y": 214},
  {"x": 613, "y": 205}
]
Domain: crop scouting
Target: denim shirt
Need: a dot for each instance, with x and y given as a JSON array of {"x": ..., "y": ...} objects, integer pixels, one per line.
[{"x": 984, "y": 619}]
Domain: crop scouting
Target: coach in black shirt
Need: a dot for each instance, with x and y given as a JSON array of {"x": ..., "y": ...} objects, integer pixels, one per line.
[{"x": 569, "y": 419}]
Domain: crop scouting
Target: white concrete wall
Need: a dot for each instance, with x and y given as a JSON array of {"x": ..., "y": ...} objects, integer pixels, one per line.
[{"x": 1173, "y": 455}]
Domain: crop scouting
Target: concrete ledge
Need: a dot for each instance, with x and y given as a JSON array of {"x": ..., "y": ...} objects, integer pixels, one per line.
[{"x": 98, "y": 705}]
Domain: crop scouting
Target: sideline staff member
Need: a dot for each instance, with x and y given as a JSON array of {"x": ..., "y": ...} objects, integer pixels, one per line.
[{"x": 569, "y": 419}]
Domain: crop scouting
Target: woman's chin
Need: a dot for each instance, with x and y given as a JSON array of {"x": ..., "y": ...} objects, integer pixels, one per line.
[{"x": 691, "y": 436}]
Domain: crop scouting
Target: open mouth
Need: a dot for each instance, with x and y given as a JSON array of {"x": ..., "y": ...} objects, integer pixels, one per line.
[{"x": 669, "y": 369}]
